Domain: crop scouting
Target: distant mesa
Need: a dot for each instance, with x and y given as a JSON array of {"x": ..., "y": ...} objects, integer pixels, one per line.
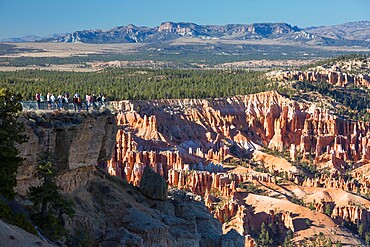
[{"x": 347, "y": 34}]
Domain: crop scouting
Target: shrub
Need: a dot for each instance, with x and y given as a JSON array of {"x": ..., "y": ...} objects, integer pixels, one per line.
[
  {"x": 328, "y": 210},
  {"x": 19, "y": 220}
]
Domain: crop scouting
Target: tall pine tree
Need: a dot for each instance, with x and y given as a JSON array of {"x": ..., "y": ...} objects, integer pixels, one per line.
[
  {"x": 49, "y": 203},
  {"x": 11, "y": 132}
]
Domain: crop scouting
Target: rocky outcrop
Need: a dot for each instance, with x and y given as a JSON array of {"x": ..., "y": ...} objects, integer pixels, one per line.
[
  {"x": 78, "y": 142},
  {"x": 354, "y": 214},
  {"x": 210, "y": 132},
  {"x": 332, "y": 76},
  {"x": 109, "y": 213},
  {"x": 153, "y": 185},
  {"x": 349, "y": 213},
  {"x": 115, "y": 213},
  {"x": 203, "y": 182},
  {"x": 287, "y": 220},
  {"x": 185, "y": 143},
  {"x": 16, "y": 237}
]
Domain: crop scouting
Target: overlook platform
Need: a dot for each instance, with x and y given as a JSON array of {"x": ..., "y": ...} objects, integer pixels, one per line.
[{"x": 44, "y": 106}]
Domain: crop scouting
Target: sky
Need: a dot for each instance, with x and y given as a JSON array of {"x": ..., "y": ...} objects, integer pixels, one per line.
[{"x": 41, "y": 17}]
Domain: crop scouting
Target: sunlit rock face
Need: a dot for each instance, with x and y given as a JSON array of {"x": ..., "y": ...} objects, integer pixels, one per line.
[
  {"x": 201, "y": 134},
  {"x": 78, "y": 141}
]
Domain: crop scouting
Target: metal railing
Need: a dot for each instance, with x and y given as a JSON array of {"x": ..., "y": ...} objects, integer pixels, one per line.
[{"x": 44, "y": 105}]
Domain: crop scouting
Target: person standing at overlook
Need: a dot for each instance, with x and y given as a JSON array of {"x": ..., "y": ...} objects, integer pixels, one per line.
[
  {"x": 66, "y": 97},
  {"x": 79, "y": 102},
  {"x": 38, "y": 99},
  {"x": 98, "y": 100},
  {"x": 103, "y": 99},
  {"x": 93, "y": 99},
  {"x": 75, "y": 101},
  {"x": 52, "y": 99},
  {"x": 48, "y": 100},
  {"x": 88, "y": 101},
  {"x": 60, "y": 101}
]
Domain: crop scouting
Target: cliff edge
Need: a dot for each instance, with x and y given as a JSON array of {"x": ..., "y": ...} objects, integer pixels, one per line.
[{"x": 77, "y": 140}]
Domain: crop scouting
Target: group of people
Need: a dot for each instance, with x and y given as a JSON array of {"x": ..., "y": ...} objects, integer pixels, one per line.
[{"x": 63, "y": 101}]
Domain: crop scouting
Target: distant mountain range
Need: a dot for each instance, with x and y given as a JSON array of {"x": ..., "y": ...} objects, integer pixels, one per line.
[
  {"x": 348, "y": 34},
  {"x": 33, "y": 38},
  {"x": 348, "y": 31}
]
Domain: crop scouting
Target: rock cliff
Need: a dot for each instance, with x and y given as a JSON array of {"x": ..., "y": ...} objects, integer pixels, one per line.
[{"x": 77, "y": 140}]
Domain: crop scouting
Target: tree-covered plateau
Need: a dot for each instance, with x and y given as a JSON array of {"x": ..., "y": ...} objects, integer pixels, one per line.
[{"x": 138, "y": 84}]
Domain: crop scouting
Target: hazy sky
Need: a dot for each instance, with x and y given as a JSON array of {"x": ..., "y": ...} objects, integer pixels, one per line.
[{"x": 41, "y": 17}]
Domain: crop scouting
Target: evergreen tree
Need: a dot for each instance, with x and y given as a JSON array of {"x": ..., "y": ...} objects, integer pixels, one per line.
[
  {"x": 367, "y": 238},
  {"x": 361, "y": 229},
  {"x": 328, "y": 209},
  {"x": 288, "y": 238},
  {"x": 49, "y": 203},
  {"x": 11, "y": 132},
  {"x": 329, "y": 243},
  {"x": 264, "y": 237}
]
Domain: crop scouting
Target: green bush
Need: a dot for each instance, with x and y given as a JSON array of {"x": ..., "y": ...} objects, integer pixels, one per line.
[
  {"x": 50, "y": 225},
  {"x": 19, "y": 220},
  {"x": 49, "y": 204},
  {"x": 80, "y": 238},
  {"x": 252, "y": 188},
  {"x": 328, "y": 209}
]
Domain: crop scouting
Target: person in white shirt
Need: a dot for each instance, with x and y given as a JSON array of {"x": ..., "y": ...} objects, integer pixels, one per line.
[
  {"x": 48, "y": 100},
  {"x": 52, "y": 99}
]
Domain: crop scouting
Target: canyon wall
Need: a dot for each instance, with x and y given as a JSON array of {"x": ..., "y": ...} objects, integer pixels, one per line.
[{"x": 78, "y": 141}]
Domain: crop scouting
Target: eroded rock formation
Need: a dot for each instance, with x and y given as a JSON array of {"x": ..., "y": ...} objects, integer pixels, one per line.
[
  {"x": 187, "y": 134},
  {"x": 354, "y": 214},
  {"x": 186, "y": 141},
  {"x": 332, "y": 76}
]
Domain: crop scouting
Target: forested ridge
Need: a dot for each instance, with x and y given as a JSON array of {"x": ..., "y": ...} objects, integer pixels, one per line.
[{"x": 134, "y": 84}]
